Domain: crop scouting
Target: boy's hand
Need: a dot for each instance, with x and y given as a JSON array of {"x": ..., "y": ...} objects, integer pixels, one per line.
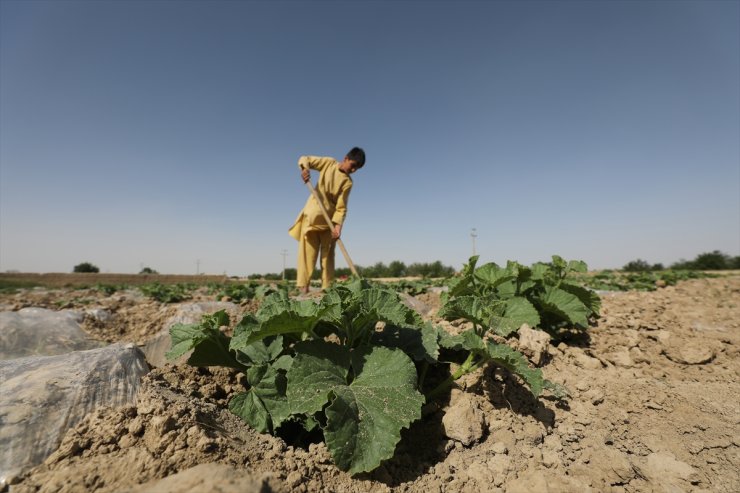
[
  {"x": 306, "y": 175},
  {"x": 336, "y": 232}
]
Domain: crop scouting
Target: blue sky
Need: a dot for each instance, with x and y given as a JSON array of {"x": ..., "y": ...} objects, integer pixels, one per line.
[{"x": 160, "y": 133}]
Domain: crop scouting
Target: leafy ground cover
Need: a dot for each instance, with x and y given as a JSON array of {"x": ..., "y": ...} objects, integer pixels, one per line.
[
  {"x": 608, "y": 280},
  {"x": 168, "y": 293},
  {"x": 238, "y": 292},
  {"x": 351, "y": 366}
]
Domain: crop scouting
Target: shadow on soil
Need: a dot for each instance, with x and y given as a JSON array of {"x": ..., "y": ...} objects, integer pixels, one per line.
[{"x": 425, "y": 445}]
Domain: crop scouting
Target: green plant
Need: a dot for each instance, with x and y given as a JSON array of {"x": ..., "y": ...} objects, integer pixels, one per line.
[
  {"x": 107, "y": 289},
  {"x": 501, "y": 299},
  {"x": 167, "y": 293},
  {"x": 352, "y": 365},
  {"x": 245, "y": 291},
  {"x": 608, "y": 280},
  {"x": 640, "y": 265},
  {"x": 411, "y": 288},
  {"x": 148, "y": 270}
]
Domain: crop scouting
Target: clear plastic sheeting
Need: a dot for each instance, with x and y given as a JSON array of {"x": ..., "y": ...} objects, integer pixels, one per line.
[
  {"x": 41, "y": 397},
  {"x": 42, "y": 332}
]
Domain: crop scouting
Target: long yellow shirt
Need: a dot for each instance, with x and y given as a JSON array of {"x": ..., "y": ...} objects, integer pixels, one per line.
[{"x": 333, "y": 187}]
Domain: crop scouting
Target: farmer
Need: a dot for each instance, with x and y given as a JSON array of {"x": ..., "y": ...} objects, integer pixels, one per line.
[{"x": 310, "y": 229}]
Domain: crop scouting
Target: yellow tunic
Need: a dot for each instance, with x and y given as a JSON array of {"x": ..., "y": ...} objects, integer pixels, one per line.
[
  {"x": 310, "y": 228},
  {"x": 333, "y": 187}
]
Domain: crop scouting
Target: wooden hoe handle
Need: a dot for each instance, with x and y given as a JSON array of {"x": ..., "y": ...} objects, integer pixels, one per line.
[{"x": 329, "y": 222}]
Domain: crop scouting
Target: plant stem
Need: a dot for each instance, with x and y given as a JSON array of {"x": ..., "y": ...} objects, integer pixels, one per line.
[
  {"x": 424, "y": 368},
  {"x": 467, "y": 367}
]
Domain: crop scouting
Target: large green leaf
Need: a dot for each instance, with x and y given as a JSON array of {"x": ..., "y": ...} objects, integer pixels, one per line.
[
  {"x": 465, "y": 341},
  {"x": 462, "y": 285},
  {"x": 517, "y": 311},
  {"x": 260, "y": 352},
  {"x": 280, "y": 317},
  {"x": 249, "y": 407},
  {"x": 318, "y": 369},
  {"x": 421, "y": 344},
  {"x": 474, "y": 309},
  {"x": 566, "y": 305},
  {"x": 587, "y": 296},
  {"x": 265, "y": 406},
  {"x": 210, "y": 346},
  {"x": 365, "y": 416},
  {"x": 539, "y": 271},
  {"x": 493, "y": 275},
  {"x": 516, "y": 363},
  {"x": 365, "y": 420}
]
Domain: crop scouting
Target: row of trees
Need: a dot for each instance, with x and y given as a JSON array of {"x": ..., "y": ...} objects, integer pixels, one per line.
[
  {"x": 87, "y": 267},
  {"x": 715, "y": 260},
  {"x": 394, "y": 269}
]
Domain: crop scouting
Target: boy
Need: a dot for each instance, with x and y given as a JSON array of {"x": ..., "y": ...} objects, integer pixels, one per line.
[{"x": 310, "y": 229}]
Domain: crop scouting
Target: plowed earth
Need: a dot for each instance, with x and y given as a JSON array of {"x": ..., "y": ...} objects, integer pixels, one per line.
[{"x": 654, "y": 406}]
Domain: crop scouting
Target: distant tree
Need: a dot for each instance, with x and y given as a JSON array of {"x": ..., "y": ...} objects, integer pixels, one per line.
[
  {"x": 435, "y": 269},
  {"x": 272, "y": 277},
  {"x": 638, "y": 265},
  {"x": 396, "y": 269},
  {"x": 254, "y": 276},
  {"x": 715, "y": 260},
  {"x": 148, "y": 270},
  {"x": 86, "y": 267},
  {"x": 291, "y": 274},
  {"x": 683, "y": 264},
  {"x": 657, "y": 266}
]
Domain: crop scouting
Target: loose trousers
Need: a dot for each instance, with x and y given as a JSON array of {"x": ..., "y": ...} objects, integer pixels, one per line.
[{"x": 310, "y": 246}]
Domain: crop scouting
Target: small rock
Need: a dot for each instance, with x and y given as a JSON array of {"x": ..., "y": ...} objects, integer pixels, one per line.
[
  {"x": 159, "y": 425},
  {"x": 596, "y": 396},
  {"x": 550, "y": 458},
  {"x": 294, "y": 479},
  {"x": 464, "y": 422},
  {"x": 620, "y": 358},
  {"x": 480, "y": 473},
  {"x": 533, "y": 343},
  {"x": 585, "y": 361},
  {"x": 100, "y": 314},
  {"x": 532, "y": 434},
  {"x": 500, "y": 465},
  {"x": 690, "y": 354},
  {"x": 499, "y": 448},
  {"x": 638, "y": 356},
  {"x": 136, "y": 427},
  {"x": 664, "y": 468}
]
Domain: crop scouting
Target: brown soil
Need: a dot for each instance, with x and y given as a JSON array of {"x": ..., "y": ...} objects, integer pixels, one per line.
[{"x": 653, "y": 407}]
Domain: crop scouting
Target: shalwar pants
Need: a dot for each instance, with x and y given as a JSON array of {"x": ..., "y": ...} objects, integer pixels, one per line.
[{"x": 310, "y": 246}]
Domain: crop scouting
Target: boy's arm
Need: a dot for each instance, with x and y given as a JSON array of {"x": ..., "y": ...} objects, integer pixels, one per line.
[
  {"x": 340, "y": 211},
  {"x": 314, "y": 162}
]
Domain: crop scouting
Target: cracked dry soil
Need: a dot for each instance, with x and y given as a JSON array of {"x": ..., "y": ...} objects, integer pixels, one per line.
[{"x": 654, "y": 407}]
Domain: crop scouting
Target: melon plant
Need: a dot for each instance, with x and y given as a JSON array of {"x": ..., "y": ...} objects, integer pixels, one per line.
[
  {"x": 352, "y": 365},
  {"x": 500, "y": 299}
]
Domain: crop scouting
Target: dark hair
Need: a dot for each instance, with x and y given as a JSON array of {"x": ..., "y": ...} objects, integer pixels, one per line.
[{"x": 357, "y": 155}]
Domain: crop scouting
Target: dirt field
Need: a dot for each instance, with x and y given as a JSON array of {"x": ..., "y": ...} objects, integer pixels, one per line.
[
  {"x": 71, "y": 280},
  {"x": 654, "y": 407}
]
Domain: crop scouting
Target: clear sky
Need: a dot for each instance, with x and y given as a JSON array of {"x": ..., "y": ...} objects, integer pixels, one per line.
[{"x": 162, "y": 133}]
